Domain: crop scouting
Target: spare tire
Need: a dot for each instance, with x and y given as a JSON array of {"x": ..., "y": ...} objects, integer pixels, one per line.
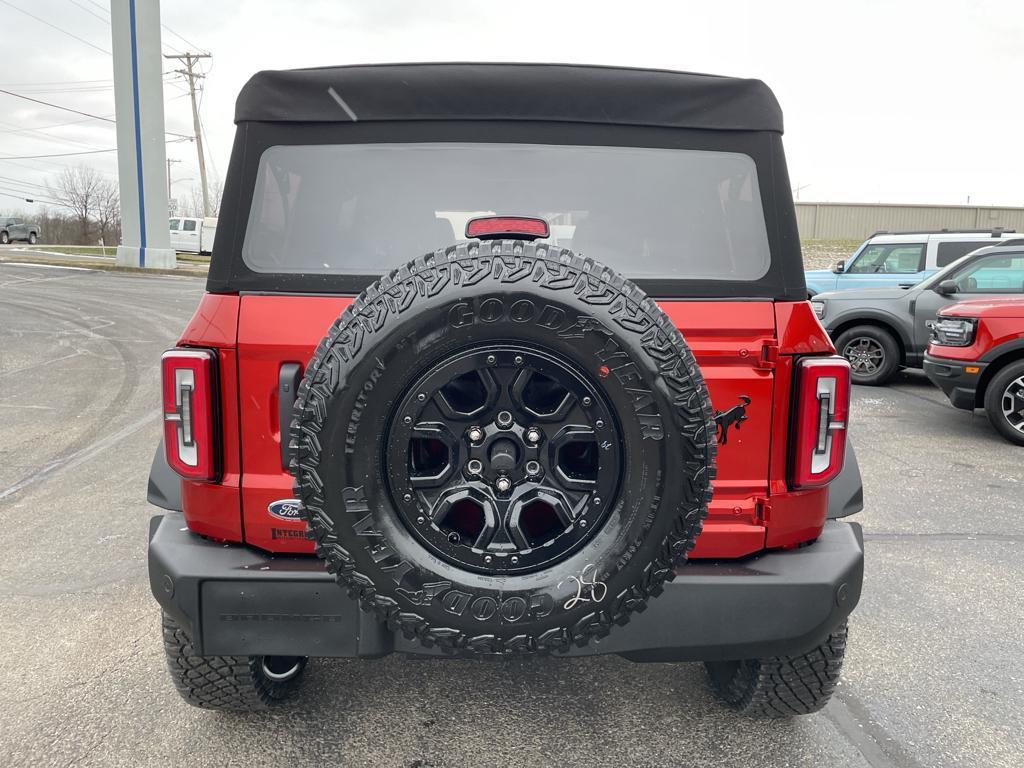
[{"x": 503, "y": 448}]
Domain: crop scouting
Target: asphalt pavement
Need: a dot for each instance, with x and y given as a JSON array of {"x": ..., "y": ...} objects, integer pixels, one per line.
[{"x": 933, "y": 677}]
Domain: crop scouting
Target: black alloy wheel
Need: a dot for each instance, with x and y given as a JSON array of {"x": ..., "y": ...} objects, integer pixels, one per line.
[{"x": 503, "y": 459}]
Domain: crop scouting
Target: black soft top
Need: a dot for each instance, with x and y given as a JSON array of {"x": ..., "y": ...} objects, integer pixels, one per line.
[{"x": 542, "y": 92}]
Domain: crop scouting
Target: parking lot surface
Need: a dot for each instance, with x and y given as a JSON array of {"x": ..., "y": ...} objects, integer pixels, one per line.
[{"x": 934, "y": 674}]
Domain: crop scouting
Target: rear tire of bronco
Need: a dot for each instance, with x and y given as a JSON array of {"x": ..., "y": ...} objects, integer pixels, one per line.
[
  {"x": 32, "y": 238},
  {"x": 1004, "y": 402},
  {"x": 872, "y": 352},
  {"x": 503, "y": 448},
  {"x": 234, "y": 683},
  {"x": 781, "y": 686}
]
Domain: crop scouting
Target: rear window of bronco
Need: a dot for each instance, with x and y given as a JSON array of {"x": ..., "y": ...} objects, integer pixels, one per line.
[{"x": 647, "y": 212}]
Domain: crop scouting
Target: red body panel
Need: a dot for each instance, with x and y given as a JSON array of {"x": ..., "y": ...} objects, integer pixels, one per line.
[
  {"x": 744, "y": 348},
  {"x": 272, "y": 331},
  {"x": 214, "y": 509}
]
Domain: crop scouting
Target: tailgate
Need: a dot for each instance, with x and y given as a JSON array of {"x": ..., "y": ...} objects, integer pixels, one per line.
[{"x": 734, "y": 342}]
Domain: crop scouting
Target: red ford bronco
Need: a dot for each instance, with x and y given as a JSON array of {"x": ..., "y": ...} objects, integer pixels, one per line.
[
  {"x": 597, "y": 416},
  {"x": 976, "y": 357}
]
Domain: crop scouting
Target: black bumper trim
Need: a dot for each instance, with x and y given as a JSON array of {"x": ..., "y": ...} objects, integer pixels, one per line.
[
  {"x": 949, "y": 376},
  {"x": 234, "y": 600}
]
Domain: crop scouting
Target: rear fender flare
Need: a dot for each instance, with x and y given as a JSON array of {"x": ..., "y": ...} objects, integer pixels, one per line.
[
  {"x": 164, "y": 483},
  {"x": 846, "y": 492}
]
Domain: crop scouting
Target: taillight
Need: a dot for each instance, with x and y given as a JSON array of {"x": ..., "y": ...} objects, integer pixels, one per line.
[
  {"x": 821, "y": 412},
  {"x": 190, "y": 404}
]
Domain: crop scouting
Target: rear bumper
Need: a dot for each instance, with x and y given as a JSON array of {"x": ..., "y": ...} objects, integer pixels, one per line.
[
  {"x": 950, "y": 376},
  {"x": 234, "y": 600}
]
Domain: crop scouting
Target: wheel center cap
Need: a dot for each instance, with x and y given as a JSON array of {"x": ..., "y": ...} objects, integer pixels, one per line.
[{"x": 503, "y": 455}]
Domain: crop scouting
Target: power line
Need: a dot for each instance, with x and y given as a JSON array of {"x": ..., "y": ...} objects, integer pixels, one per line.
[
  {"x": 21, "y": 183},
  {"x": 38, "y": 135},
  {"x": 36, "y": 166},
  {"x": 60, "y": 154},
  {"x": 23, "y": 191},
  {"x": 54, "y": 26},
  {"x": 44, "y": 127},
  {"x": 58, "y": 82},
  {"x": 26, "y": 198},
  {"x": 55, "y": 106},
  {"x": 86, "y": 89},
  {"x": 20, "y": 187},
  {"x": 104, "y": 19}
]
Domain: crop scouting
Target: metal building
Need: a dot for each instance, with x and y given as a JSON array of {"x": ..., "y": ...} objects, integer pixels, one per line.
[{"x": 856, "y": 221}]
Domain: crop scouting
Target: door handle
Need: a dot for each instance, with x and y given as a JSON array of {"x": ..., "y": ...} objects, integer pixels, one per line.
[
  {"x": 906, "y": 285},
  {"x": 288, "y": 379}
]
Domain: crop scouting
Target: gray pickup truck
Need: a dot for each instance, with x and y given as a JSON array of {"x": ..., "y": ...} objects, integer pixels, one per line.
[{"x": 18, "y": 229}]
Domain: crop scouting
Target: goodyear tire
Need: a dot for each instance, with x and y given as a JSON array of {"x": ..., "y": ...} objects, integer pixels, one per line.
[{"x": 503, "y": 448}]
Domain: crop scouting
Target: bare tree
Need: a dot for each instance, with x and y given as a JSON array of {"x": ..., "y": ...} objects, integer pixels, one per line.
[
  {"x": 216, "y": 193},
  {"x": 80, "y": 190},
  {"x": 108, "y": 210},
  {"x": 193, "y": 204}
]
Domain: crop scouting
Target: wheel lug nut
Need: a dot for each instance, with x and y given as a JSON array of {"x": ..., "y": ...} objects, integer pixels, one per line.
[
  {"x": 474, "y": 466},
  {"x": 491, "y": 359},
  {"x": 533, "y": 468},
  {"x": 586, "y": 402},
  {"x": 407, "y": 497},
  {"x": 519, "y": 359},
  {"x": 504, "y": 419},
  {"x": 533, "y": 435},
  {"x": 475, "y": 434},
  {"x": 503, "y": 484},
  {"x": 599, "y": 423},
  {"x": 515, "y": 559}
]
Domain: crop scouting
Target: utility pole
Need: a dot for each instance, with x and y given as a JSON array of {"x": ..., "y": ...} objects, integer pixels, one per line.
[
  {"x": 192, "y": 75},
  {"x": 169, "y": 161}
]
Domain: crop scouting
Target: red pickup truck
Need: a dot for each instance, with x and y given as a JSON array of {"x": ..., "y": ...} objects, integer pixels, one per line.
[{"x": 976, "y": 356}]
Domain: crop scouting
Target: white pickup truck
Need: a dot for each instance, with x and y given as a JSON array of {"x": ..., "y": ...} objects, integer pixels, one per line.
[{"x": 193, "y": 235}]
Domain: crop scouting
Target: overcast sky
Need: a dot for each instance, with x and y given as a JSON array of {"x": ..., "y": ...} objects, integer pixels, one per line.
[{"x": 891, "y": 101}]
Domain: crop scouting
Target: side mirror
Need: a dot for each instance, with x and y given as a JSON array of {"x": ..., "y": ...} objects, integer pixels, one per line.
[
  {"x": 947, "y": 288},
  {"x": 839, "y": 267}
]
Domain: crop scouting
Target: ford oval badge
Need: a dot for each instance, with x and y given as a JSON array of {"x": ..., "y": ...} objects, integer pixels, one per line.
[{"x": 285, "y": 509}]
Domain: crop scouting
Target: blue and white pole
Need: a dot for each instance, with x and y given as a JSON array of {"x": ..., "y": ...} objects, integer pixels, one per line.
[{"x": 141, "y": 154}]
